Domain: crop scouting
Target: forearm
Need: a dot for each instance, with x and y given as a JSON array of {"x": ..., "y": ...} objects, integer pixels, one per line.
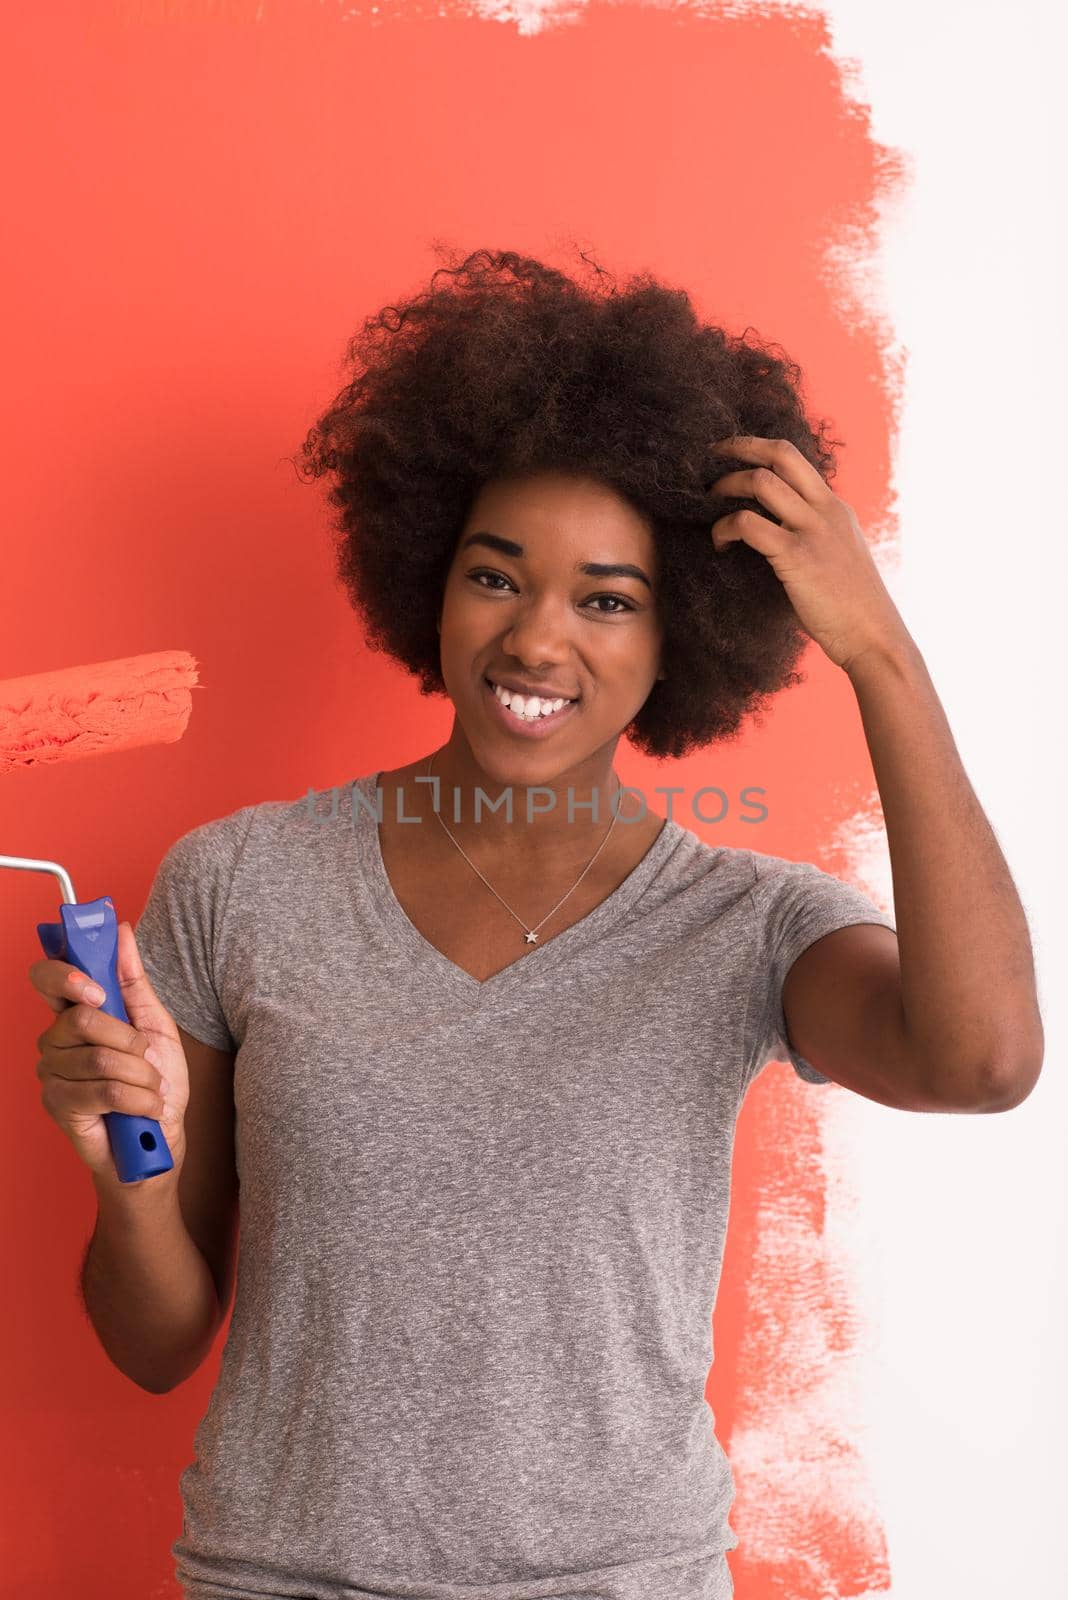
[
  {"x": 967, "y": 969},
  {"x": 149, "y": 1292}
]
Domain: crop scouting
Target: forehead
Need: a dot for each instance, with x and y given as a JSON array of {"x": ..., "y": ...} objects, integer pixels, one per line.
[{"x": 561, "y": 513}]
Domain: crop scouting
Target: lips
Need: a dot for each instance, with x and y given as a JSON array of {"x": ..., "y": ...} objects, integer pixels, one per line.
[
  {"x": 541, "y": 727},
  {"x": 542, "y": 694}
]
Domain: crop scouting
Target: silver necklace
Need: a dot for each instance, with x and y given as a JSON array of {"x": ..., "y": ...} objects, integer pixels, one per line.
[{"x": 531, "y": 933}]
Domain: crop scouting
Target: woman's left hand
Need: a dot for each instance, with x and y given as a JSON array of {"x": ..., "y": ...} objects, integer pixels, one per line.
[{"x": 819, "y": 553}]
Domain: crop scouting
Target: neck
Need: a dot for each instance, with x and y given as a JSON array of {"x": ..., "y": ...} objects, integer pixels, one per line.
[{"x": 540, "y": 825}]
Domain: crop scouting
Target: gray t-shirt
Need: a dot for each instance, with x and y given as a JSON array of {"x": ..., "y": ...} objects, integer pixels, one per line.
[{"x": 482, "y": 1224}]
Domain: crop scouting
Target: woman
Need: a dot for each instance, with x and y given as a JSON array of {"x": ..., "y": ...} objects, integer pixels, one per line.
[{"x": 487, "y": 1063}]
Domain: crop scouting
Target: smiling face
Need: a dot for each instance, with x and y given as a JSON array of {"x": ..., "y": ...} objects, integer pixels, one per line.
[{"x": 525, "y": 603}]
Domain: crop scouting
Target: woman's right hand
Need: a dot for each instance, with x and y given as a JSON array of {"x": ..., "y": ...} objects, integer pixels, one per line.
[{"x": 91, "y": 1063}]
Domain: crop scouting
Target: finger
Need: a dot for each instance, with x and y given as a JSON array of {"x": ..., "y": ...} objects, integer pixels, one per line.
[
  {"x": 143, "y": 1005},
  {"x": 59, "y": 983},
  {"x": 784, "y": 458},
  {"x": 760, "y": 483},
  {"x": 128, "y": 966},
  {"x": 752, "y": 529},
  {"x": 84, "y": 1024},
  {"x": 100, "y": 1097},
  {"x": 78, "y": 1062}
]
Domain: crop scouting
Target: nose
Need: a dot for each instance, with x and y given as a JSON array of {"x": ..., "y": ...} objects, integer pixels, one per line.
[{"x": 539, "y": 634}]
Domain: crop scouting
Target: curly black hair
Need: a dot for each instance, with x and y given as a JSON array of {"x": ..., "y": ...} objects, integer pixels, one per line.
[{"x": 513, "y": 368}]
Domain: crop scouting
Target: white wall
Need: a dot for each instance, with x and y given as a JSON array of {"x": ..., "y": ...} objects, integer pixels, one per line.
[{"x": 960, "y": 1237}]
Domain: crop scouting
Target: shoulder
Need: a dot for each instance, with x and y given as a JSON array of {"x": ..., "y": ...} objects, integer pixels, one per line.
[
  {"x": 272, "y": 846},
  {"x": 216, "y": 837},
  {"x": 269, "y": 819},
  {"x": 699, "y": 889},
  {"x": 213, "y": 849},
  {"x": 770, "y": 881},
  {"x": 737, "y": 869},
  {"x": 779, "y": 880},
  {"x": 798, "y": 901},
  {"x": 772, "y": 872}
]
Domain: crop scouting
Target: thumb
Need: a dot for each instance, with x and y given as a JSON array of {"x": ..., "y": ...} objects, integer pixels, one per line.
[{"x": 143, "y": 1006}]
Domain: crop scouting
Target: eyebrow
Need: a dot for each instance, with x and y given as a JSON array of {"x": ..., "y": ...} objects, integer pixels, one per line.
[{"x": 594, "y": 569}]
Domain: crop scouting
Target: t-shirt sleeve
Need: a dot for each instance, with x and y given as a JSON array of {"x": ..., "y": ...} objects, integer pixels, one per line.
[
  {"x": 179, "y": 932},
  {"x": 795, "y": 903}
]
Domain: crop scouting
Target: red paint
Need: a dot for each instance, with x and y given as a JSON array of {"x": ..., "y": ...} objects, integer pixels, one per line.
[
  {"x": 78, "y": 712},
  {"x": 207, "y": 205}
]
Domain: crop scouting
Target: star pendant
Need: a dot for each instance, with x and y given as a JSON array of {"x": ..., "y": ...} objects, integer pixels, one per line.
[{"x": 532, "y": 937}]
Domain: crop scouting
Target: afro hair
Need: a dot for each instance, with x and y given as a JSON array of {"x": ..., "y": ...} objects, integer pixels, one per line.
[{"x": 510, "y": 368}]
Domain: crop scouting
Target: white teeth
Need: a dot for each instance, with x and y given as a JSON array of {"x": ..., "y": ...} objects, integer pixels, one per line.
[{"x": 529, "y": 708}]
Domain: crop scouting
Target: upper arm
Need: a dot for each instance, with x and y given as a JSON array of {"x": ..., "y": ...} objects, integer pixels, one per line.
[
  {"x": 208, "y": 1182},
  {"x": 844, "y": 1013}
]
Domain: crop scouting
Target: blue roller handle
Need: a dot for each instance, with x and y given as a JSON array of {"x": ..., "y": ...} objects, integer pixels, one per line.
[{"x": 88, "y": 938}]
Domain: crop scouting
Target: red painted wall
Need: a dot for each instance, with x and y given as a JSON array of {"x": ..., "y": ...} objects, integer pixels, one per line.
[{"x": 206, "y": 200}]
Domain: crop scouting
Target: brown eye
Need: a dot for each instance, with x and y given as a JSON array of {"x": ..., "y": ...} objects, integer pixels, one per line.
[
  {"x": 477, "y": 575},
  {"x": 618, "y": 599}
]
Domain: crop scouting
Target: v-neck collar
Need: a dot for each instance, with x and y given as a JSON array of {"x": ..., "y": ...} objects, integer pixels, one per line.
[{"x": 427, "y": 959}]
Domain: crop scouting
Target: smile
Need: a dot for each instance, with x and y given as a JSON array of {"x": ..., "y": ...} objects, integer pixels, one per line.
[{"x": 537, "y": 727}]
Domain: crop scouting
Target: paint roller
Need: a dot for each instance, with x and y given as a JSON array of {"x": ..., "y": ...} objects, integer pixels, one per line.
[{"x": 68, "y": 716}]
